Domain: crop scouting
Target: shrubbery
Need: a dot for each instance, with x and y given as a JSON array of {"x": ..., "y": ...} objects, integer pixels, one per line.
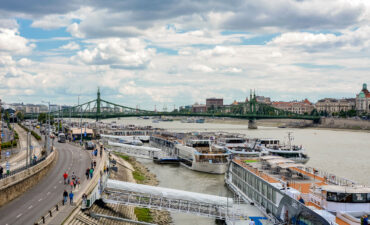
[{"x": 33, "y": 133}]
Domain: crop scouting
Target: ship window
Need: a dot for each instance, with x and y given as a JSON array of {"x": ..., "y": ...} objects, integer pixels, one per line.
[{"x": 359, "y": 197}]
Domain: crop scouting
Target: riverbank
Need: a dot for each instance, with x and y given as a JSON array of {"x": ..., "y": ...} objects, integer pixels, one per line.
[
  {"x": 135, "y": 172},
  {"x": 326, "y": 123}
]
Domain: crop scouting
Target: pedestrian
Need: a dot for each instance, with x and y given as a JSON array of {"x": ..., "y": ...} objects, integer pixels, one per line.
[
  {"x": 78, "y": 182},
  {"x": 91, "y": 172},
  {"x": 1, "y": 171},
  {"x": 94, "y": 163},
  {"x": 92, "y": 153},
  {"x": 73, "y": 176},
  {"x": 71, "y": 183},
  {"x": 84, "y": 199},
  {"x": 71, "y": 197},
  {"x": 87, "y": 173},
  {"x": 252, "y": 222},
  {"x": 65, "y": 197},
  {"x": 74, "y": 183},
  {"x": 105, "y": 168},
  {"x": 366, "y": 220},
  {"x": 65, "y": 176}
]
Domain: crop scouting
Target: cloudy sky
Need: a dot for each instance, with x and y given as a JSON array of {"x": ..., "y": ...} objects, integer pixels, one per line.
[{"x": 177, "y": 52}]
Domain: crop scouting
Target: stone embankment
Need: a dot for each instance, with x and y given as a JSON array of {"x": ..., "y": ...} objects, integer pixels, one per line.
[{"x": 13, "y": 186}]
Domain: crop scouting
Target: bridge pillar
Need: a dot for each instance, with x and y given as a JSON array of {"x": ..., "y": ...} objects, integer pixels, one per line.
[{"x": 252, "y": 124}]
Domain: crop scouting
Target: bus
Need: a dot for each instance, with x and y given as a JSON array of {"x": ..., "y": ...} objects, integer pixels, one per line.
[{"x": 61, "y": 138}]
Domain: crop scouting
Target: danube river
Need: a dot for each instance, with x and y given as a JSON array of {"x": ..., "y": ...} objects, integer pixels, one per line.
[{"x": 345, "y": 153}]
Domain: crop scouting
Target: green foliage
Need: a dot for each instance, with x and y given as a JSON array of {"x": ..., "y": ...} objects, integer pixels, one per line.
[
  {"x": 33, "y": 133},
  {"x": 143, "y": 214},
  {"x": 9, "y": 144},
  {"x": 43, "y": 118},
  {"x": 20, "y": 116},
  {"x": 125, "y": 157},
  {"x": 138, "y": 176}
]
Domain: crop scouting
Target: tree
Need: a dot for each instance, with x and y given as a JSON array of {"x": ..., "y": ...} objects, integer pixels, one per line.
[
  {"x": 20, "y": 116},
  {"x": 43, "y": 118}
]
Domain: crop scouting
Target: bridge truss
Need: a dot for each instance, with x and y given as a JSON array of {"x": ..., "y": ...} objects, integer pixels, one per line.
[{"x": 101, "y": 109}]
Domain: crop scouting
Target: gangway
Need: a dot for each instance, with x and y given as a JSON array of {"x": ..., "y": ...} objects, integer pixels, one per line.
[
  {"x": 136, "y": 151},
  {"x": 125, "y": 193}
]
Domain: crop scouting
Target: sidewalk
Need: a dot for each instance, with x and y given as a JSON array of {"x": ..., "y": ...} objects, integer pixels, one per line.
[
  {"x": 19, "y": 160},
  {"x": 66, "y": 210}
]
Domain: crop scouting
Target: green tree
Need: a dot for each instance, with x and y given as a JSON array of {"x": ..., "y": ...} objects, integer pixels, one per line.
[
  {"x": 43, "y": 118},
  {"x": 20, "y": 116}
]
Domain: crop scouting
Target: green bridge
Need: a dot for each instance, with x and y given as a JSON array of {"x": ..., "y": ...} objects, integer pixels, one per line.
[{"x": 101, "y": 109}]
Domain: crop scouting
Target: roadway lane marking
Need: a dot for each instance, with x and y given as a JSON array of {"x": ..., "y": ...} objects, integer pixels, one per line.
[
  {"x": 40, "y": 199},
  {"x": 19, "y": 215},
  {"x": 30, "y": 207}
]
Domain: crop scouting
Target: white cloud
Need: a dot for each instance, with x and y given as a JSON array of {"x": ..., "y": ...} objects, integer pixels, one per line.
[
  {"x": 11, "y": 42},
  {"x": 71, "y": 46},
  {"x": 120, "y": 53}
]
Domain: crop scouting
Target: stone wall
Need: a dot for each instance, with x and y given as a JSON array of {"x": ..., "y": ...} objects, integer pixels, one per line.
[
  {"x": 14, "y": 186},
  {"x": 344, "y": 123}
]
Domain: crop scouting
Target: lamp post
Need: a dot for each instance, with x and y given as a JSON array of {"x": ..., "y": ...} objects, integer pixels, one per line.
[{"x": 47, "y": 136}]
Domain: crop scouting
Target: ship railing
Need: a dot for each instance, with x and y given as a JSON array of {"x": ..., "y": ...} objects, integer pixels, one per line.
[{"x": 332, "y": 178}]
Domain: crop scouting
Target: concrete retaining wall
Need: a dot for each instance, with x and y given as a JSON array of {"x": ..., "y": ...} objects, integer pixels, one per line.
[
  {"x": 345, "y": 123},
  {"x": 14, "y": 186}
]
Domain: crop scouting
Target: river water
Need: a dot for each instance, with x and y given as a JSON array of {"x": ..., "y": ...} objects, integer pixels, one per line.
[{"x": 345, "y": 153}]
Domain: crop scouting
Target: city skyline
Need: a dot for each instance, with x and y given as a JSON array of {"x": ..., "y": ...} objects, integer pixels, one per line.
[{"x": 181, "y": 52}]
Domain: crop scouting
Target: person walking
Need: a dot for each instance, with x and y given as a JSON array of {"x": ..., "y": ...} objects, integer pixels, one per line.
[
  {"x": 71, "y": 183},
  {"x": 96, "y": 152},
  {"x": 65, "y": 176},
  {"x": 91, "y": 172},
  {"x": 74, "y": 183},
  {"x": 252, "y": 222},
  {"x": 366, "y": 220},
  {"x": 1, "y": 171},
  {"x": 65, "y": 197},
  {"x": 87, "y": 173},
  {"x": 94, "y": 164},
  {"x": 71, "y": 197}
]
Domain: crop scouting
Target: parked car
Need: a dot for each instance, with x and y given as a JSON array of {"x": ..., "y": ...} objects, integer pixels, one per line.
[{"x": 89, "y": 145}]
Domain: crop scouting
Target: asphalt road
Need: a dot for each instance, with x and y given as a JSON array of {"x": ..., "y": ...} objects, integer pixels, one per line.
[{"x": 34, "y": 203}]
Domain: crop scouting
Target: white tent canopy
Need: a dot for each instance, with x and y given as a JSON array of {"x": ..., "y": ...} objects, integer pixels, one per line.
[{"x": 169, "y": 193}]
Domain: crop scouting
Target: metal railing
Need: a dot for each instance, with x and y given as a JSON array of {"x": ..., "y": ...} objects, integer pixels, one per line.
[{"x": 20, "y": 169}]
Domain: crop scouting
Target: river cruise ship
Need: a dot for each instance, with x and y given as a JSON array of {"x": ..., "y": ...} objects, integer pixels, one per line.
[
  {"x": 292, "y": 193},
  {"x": 274, "y": 147},
  {"x": 239, "y": 146},
  {"x": 193, "y": 152}
]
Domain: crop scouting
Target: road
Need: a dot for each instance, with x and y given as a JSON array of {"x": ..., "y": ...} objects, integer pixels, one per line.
[
  {"x": 34, "y": 203},
  {"x": 19, "y": 160}
]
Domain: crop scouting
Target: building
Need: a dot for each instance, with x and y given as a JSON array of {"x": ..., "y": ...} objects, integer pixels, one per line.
[
  {"x": 214, "y": 103},
  {"x": 301, "y": 107},
  {"x": 332, "y": 105},
  {"x": 263, "y": 99},
  {"x": 197, "y": 108},
  {"x": 363, "y": 100}
]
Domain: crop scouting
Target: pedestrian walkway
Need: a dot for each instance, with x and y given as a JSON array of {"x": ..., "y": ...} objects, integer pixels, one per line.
[{"x": 85, "y": 187}]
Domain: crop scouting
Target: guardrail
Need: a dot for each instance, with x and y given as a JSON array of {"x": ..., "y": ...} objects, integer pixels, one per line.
[{"x": 13, "y": 172}]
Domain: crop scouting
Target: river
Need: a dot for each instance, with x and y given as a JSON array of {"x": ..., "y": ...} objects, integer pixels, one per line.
[{"x": 345, "y": 153}]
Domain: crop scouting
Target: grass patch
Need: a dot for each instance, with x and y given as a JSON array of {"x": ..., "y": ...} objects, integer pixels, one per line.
[
  {"x": 250, "y": 161},
  {"x": 143, "y": 214},
  {"x": 125, "y": 157},
  {"x": 138, "y": 176}
]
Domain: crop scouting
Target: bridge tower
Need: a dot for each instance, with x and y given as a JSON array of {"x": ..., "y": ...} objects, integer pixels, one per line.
[
  {"x": 98, "y": 114},
  {"x": 252, "y": 110}
]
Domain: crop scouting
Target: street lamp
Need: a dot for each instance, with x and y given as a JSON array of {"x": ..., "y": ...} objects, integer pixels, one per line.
[{"x": 47, "y": 136}]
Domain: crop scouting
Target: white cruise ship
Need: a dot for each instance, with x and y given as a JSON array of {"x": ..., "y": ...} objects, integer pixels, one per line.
[{"x": 202, "y": 156}]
